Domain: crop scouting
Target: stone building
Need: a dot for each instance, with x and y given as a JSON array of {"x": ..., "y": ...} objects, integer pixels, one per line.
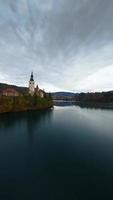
[
  {"x": 33, "y": 90},
  {"x": 10, "y": 92},
  {"x": 31, "y": 85},
  {"x": 39, "y": 92}
]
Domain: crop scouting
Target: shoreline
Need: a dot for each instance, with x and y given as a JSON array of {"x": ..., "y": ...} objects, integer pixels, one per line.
[
  {"x": 23, "y": 104},
  {"x": 28, "y": 110}
]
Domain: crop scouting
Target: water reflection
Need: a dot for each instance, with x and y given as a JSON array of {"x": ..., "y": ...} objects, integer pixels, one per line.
[
  {"x": 26, "y": 122},
  {"x": 62, "y": 103},
  {"x": 65, "y": 153},
  {"x": 94, "y": 105},
  {"x": 32, "y": 117}
]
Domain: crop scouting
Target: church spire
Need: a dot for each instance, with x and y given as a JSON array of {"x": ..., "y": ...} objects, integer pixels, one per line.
[
  {"x": 31, "y": 79},
  {"x": 31, "y": 85}
]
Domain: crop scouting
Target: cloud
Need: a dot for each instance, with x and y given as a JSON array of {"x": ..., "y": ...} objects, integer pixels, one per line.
[
  {"x": 100, "y": 81},
  {"x": 63, "y": 42}
]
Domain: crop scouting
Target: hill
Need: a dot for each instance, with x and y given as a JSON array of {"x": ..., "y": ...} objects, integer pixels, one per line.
[
  {"x": 22, "y": 90},
  {"x": 102, "y": 97},
  {"x": 105, "y": 97},
  {"x": 63, "y": 95}
]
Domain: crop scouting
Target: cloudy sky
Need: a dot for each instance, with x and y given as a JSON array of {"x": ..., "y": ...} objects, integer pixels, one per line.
[{"x": 67, "y": 43}]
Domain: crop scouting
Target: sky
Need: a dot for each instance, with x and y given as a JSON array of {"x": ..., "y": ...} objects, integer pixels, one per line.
[{"x": 68, "y": 44}]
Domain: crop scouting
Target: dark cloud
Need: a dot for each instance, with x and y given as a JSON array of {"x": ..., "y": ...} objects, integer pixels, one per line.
[{"x": 63, "y": 41}]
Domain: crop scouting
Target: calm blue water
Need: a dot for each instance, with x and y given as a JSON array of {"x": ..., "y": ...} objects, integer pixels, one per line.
[{"x": 60, "y": 154}]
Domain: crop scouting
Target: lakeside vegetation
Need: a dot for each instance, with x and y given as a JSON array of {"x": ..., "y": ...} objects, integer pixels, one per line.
[
  {"x": 97, "y": 97},
  {"x": 24, "y": 103},
  {"x": 100, "y": 97}
]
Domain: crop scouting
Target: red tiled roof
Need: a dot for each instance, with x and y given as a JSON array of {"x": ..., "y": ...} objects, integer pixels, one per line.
[{"x": 10, "y": 90}]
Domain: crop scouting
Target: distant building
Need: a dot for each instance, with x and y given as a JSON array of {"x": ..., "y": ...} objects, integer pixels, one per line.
[
  {"x": 39, "y": 92},
  {"x": 31, "y": 85},
  {"x": 33, "y": 90},
  {"x": 10, "y": 92}
]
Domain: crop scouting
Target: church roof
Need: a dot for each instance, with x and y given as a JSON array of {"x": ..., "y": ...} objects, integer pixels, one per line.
[
  {"x": 31, "y": 78},
  {"x": 10, "y": 90}
]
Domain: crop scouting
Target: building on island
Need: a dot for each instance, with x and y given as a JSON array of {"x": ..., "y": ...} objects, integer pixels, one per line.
[
  {"x": 10, "y": 92},
  {"x": 35, "y": 91},
  {"x": 31, "y": 85},
  {"x": 14, "y": 91},
  {"x": 39, "y": 92}
]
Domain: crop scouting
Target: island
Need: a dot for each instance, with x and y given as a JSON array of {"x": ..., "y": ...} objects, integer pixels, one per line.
[{"x": 16, "y": 99}]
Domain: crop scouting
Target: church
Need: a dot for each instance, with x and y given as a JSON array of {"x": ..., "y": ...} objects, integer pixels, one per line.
[
  {"x": 35, "y": 91},
  {"x": 13, "y": 91}
]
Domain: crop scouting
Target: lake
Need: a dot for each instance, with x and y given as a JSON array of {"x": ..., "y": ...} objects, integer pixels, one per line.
[{"x": 65, "y": 153}]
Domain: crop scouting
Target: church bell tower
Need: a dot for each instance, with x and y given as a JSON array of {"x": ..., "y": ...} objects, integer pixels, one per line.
[{"x": 31, "y": 85}]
